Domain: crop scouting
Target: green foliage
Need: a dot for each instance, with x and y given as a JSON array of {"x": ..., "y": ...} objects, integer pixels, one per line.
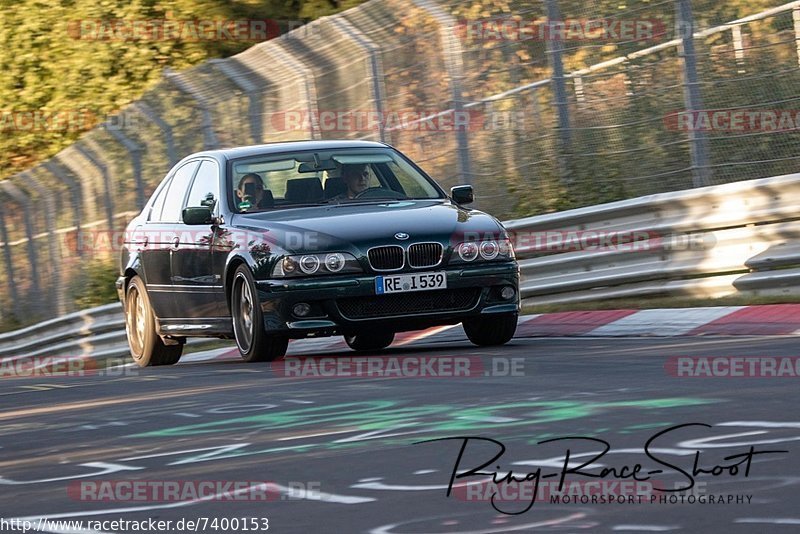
[
  {"x": 94, "y": 286},
  {"x": 49, "y": 64}
]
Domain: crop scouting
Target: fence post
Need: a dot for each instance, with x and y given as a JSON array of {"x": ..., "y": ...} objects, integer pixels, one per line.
[
  {"x": 209, "y": 137},
  {"x": 53, "y": 266},
  {"x": 555, "y": 51},
  {"x": 454, "y": 63},
  {"x": 10, "y": 282},
  {"x": 20, "y": 198},
  {"x": 87, "y": 153},
  {"x": 738, "y": 48},
  {"x": 169, "y": 139},
  {"x": 308, "y": 86},
  {"x": 375, "y": 68},
  {"x": 74, "y": 188},
  {"x": 693, "y": 99},
  {"x": 136, "y": 159},
  {"x": 227, "y": 68}
]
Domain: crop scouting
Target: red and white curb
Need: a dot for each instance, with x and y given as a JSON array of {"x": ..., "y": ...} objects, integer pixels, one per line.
[{"x": 768, "y": 319}]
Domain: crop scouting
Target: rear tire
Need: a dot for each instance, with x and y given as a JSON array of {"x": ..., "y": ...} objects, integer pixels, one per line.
[
  {"x": 254, "y": 344},
  {"x": 369, "y": 341},
  {"x": 147, "y": 348},
  {"x": 491, "y": 330}
]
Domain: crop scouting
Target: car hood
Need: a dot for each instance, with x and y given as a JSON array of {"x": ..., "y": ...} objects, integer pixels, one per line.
[{"x": 344, "y": 226}]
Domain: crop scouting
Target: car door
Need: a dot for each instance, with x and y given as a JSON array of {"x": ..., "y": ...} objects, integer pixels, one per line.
[
  {"x": 194, "y": 282},
  {"x": 160, "y": 234}
]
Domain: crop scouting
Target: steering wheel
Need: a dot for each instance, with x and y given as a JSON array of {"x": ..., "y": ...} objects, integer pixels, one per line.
[{"x": 379, "y": 192}]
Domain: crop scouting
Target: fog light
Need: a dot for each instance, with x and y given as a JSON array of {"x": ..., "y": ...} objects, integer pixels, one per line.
[
  {"x": 507, "y": 293},
  {"x": 301, "y": 309}
]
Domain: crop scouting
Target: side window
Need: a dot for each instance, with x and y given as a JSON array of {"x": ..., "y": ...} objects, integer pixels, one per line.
[
  {"x": 177, "y": 192},
  {"x": 158, "y": 203},
  {"x": 206, "y": 181}
]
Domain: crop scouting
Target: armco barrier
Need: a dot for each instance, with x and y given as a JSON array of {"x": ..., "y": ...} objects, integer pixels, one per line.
[
  {"x": 708, "y": 242},
  {"x": 713, "y": 241}
]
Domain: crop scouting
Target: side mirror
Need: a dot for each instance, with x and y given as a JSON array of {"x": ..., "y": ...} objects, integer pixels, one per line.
[
  {"x": 197, "y": 215},
  {"x": 462, "y": 194}
]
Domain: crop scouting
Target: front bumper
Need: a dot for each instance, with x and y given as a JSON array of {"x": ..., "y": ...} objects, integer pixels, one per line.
[{"x": 478, "y": 287}]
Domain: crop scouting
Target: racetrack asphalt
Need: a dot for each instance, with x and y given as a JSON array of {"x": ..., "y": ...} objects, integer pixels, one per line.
[{"x": 340, "y": 454}]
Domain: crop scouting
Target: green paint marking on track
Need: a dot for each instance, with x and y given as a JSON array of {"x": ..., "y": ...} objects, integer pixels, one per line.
[{"x": 386, "y": 415}]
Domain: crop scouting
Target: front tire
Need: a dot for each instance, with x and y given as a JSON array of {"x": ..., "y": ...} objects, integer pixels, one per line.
[
  {"x": 487, "y": 331},
  {"x": 147, "y": 347},
  {"x": 371, "y": 341},
  {"x": 254, "y": 344}
]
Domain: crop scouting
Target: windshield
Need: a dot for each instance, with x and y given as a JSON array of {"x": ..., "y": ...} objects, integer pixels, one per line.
[{"x": 294, "y": 179}]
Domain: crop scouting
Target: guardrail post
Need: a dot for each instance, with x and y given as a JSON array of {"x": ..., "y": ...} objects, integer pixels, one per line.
[
  {"x": 701, "y": 172},
  {"x": 227, "y": 68},
  {"x": 454, "y": 63},
  {"x": 136, "y": 159},
  {"x": 308, "y": 86},
  {"x": 376, "y": 68},
  {"x": 22, "y": 199},
  {"x": 87, "y": 153},
  {"x": 166, "y": 129},
  {"x": 9, "y": 261},
  {"x": 555, "y": 50},
  {"x": 209, "y": 137}
]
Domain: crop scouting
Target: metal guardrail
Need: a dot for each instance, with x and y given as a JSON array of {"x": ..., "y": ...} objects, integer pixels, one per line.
[
  {"x": 95, "y": 332},
  {"x": 712, "y": 241},
  {"x": 707, "y": 242}
]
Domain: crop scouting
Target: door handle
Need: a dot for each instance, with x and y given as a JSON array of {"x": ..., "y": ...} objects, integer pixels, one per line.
[
  {"x": 139, "y": 243},
  {"x": 176, "y": 242}
]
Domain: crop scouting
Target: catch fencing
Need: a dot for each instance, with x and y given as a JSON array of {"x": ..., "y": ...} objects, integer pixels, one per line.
[{"x": 555, "y": 120}]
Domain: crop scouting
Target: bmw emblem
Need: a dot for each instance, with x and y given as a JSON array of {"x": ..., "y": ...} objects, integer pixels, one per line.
[{"x": 402, "y": 236}]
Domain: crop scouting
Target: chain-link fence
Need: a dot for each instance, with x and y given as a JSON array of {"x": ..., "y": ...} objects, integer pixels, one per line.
[{"x": 541, "y": 105}]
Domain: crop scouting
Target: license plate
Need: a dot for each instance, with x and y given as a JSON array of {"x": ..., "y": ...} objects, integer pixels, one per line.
[{"x": 404, "y": 283}]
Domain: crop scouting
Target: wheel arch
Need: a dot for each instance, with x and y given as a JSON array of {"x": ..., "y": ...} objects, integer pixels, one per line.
[{"x": 230, "y": 270}]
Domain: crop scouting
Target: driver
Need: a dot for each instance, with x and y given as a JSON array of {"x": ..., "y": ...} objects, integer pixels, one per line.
[{"x": 356, "y": 178}]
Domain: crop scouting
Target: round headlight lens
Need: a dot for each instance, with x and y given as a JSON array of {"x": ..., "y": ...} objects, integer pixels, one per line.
[
  {"x": 334, "y": 262},
  {"x": 468, "y": 251},
  {"x": 309, "y": 264},
  {"x": 289, "y": 266},
  {"x": 489, "y": 250}
]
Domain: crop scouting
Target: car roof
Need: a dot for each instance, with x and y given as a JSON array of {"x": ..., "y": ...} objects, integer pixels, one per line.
[{"x": 286, "y": 146}]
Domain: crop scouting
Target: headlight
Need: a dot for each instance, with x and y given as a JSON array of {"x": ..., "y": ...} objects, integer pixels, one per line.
[
  {"x": 468, "y": 251},
  {"x": 309, "y": 264},
  {"x": 488, "y": 250},
  {"x": 316, "y": 264}
]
